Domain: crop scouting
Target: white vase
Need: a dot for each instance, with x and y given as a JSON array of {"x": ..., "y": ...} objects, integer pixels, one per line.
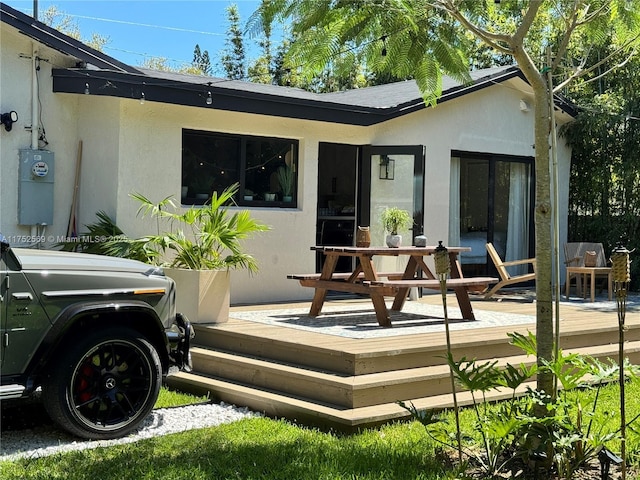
[{"x": 394, "y": 241}]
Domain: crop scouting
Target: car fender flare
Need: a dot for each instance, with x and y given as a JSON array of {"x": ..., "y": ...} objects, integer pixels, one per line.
[{"x": 70, "y": 316}]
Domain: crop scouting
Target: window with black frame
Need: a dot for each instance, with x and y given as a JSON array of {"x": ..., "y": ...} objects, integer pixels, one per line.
[{"x": 264, "y": 167}]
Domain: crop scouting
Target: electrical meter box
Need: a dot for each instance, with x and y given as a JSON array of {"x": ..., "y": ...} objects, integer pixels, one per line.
[{"x": 35, "y": 187}]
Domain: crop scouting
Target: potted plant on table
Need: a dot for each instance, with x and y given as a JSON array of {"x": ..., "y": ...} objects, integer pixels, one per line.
[{"x": 394, "y": 220}]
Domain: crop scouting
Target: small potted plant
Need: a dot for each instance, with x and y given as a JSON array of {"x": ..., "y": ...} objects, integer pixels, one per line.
[
  {"x": 286, "y": 179},
  {"x": 395, "y": 219}
]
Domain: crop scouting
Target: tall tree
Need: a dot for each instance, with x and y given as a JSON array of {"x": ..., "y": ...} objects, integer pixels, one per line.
[
  {"x": 201, "y": 60},
  {"x": 424, "y": 38},
  {"x": 233, "y": 57},
  {"x": 261, "y": 70}
]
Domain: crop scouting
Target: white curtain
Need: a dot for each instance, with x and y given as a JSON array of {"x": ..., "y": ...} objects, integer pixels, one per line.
[
  {"x": 454, "y": 202},
  {"x": 517, "y": 230}
]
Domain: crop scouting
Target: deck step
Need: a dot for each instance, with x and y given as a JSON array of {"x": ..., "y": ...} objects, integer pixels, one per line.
[
  {"x": 355, "y": 391},
  {"x": 277, "y": 344},
  {"x": 304, "y": 410}
]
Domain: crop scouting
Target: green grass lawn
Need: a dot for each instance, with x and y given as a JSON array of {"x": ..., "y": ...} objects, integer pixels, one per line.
[
  {"x": 263, "y": 448},
  {"x": 174, "y": 398}
]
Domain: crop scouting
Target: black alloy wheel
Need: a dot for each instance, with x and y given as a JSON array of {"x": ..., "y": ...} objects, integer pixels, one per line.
[{"x": 105, "y": 385}]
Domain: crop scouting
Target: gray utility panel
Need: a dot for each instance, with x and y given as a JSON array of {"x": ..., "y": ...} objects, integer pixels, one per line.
[{"x": 35, "y": 190}]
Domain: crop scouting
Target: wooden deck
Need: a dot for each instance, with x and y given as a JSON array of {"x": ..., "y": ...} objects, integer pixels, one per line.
[{"x": 347, "y": 383}]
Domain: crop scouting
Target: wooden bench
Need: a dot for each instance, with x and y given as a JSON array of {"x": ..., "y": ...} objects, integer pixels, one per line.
[
  {"x": 342, "y": 276},
  {"x": 344, "y": 282},
  {"x": 451, "y": 283}
]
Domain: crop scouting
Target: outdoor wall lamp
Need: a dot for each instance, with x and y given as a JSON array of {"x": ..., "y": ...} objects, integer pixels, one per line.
[
  {"x": 8, "y": 119},
  {"x": 387, "y": 167}
]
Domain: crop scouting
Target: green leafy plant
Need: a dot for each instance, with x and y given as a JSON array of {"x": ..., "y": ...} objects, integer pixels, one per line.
[
  {"x": 395, "y": 219},
  {"x": 565, "y": 439},
  {"x": 104, "y": 237},
  {"x": 207, "y": 237},
  {"x": 286, "y": 179},
  {"x": 204, "y": 237}
]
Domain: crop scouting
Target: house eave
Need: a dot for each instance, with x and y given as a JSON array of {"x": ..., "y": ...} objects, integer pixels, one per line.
[{"x": 319, "y": 107}]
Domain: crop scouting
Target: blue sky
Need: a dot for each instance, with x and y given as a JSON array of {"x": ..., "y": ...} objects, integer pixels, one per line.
[{"x": 161, "y": 28}]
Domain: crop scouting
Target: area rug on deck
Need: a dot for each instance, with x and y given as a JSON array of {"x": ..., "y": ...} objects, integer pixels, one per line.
[{"x": 359, "y": 321}]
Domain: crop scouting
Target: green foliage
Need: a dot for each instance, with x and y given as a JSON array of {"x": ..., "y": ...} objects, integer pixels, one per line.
[
  {"x": 569, "y": 435},
  {"x": 394, "y": 219},
  {"x": 395, "y": 40},
  {"x": 201, "y": 60},
  {"x": 233, "y": 57},
  {"x": 604, "y": 198},
  {"x": 104, "y": 237},
  {"x": 286, "y": 179},
  {"x": 207, "y": 237},
  {"x": 202, "y": 238}
]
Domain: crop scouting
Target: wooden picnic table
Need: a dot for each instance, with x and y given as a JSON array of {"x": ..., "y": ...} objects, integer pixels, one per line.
[{"x": 365, "y": 280}]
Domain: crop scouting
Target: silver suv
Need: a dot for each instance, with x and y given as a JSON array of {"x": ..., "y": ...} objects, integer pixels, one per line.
[{"x": 97, "y": 334}]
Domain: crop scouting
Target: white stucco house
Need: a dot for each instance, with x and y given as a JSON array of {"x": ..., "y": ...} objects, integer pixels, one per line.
[{"x": 464, "y": 168}]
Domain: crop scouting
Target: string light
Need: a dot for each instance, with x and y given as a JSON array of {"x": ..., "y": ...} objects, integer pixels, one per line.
[{"x": 142, "y": 96}]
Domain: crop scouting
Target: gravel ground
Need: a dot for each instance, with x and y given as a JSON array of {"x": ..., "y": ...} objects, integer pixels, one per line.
[{"x": 26, "y": 431}]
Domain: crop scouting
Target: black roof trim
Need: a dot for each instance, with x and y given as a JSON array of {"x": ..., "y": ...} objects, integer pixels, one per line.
[
  {"x": 187, "y": 90},
  {"x": 59, "y": 41}
]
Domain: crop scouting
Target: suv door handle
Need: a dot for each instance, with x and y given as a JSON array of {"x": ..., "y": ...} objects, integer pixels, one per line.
[{"x": 22, "y": 296}]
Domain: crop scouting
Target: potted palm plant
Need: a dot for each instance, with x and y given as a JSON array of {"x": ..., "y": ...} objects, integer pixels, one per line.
[
  {"x": 394, "y": 220},
  {"x": 198, "y": 249}
]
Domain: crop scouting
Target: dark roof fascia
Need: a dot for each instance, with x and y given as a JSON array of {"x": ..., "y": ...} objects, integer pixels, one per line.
[
  {"x": 115, "y": 84},
  {"x": 59, "y": 41},
  {"x": 318, "y": 108},
  {"x": 461, "y": 90}
]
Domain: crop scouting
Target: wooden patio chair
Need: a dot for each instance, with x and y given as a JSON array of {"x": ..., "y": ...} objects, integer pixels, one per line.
[
  {"x": 505, "y": 277},
  {"x": 574, "y": 254}
]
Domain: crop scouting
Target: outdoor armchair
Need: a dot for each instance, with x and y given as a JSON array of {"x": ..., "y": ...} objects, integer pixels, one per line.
[{"x": 505, "y": 277}]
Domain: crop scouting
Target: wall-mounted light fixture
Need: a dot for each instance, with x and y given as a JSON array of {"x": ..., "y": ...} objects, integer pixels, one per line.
[
  {"x": 8, "y": 119},
  {"x": 209, "y": 98},
  {"x": 524, "y": 105},
  {"x": 387, "y": 167}
]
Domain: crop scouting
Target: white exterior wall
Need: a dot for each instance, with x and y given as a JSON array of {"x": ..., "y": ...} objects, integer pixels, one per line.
[
  {"x": 129, "y": 147},
  {"x": 59, "y": 118},
  {"x": 150, "y": 141}
]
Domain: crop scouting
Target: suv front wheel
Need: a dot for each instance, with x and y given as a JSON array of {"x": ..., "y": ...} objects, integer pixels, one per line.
[{"x": 105, "y": 385}]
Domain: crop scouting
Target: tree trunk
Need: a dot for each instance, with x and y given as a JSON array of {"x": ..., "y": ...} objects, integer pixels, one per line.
[{"x": 543, "y": 220}]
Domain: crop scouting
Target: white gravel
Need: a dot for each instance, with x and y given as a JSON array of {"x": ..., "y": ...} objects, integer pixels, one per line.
[{"x": 47, "y": 439}]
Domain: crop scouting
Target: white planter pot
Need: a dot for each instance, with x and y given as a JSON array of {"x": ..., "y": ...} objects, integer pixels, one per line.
[
  {"x": 394, "y": 241},
  {"x": 202, "y": 295}
]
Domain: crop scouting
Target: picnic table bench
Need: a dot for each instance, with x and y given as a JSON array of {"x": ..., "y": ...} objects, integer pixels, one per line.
[{"x": 365, "y": 280}]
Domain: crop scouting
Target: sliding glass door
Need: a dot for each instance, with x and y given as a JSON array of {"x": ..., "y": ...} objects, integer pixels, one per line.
[{"x": 491, "y": 200}]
